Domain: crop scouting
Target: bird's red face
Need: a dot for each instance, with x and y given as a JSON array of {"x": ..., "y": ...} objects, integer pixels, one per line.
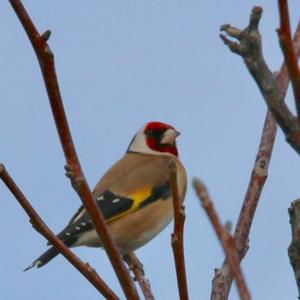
[
  {"x": 160, "y": 137},
  {"x": 155, "y": 138}
]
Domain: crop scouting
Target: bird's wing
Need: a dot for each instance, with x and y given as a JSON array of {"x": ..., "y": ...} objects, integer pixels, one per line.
[{"x": 134, "y": 182}]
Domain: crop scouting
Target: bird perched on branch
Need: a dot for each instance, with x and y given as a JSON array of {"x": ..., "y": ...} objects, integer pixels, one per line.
[{"x": 134, "y": 195}]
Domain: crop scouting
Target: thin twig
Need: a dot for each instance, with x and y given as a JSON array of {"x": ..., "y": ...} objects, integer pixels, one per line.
[
  {"x": 139, "y": 275},
  {"x": 293, "y": 250},
  {"x": 223, "y": 277},
  {"x": 46, "y": 61},
  {"x": 177, "y": 235},
  {"x": 249, "y": 47},
  {"x": 225, "y": 238},
  {"x": 290, "y": 56},
  {"x": 36, "y": 221}
]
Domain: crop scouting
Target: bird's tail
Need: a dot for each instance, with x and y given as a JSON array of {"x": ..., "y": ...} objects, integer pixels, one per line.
[{"x": 44, "y": 258}]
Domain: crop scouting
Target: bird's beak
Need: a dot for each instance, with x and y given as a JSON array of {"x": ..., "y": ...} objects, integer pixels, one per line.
[{"x": 169, "y": 137}]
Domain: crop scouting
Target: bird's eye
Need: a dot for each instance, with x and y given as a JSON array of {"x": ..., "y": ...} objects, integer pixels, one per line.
[{"x": 154, "y": 133}]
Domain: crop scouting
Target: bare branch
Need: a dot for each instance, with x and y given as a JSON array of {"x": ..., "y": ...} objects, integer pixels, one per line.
[
  {"x": 223, "y": 277},
  {"x": 46, "y": 61},
  {"x": 290, "y": 57},
  {"x": 294, "y": 254},
  {"x": 226, "y": 239},
  {"x": 137, "y": 269},
  {"x": 177, "y": 235},
  {"x": 39, "y": 225},
  {"x": 257, "y": 181},
  {"x": 249, "y": 48}
]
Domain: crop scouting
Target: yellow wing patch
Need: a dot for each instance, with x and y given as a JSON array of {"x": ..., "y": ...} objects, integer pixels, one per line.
[{"x": 138, "y": 197}]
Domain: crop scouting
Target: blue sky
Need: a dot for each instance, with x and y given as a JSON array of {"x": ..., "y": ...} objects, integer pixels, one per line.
[{"x": 121, "y": 64}]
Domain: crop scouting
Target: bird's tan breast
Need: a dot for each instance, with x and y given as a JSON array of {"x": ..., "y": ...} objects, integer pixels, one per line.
[
  {"x": 128, "y": 175},
  {"x": 137, "y": 228}
]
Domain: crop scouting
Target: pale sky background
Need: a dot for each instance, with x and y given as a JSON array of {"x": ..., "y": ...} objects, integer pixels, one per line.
[{"x": 121, "y": 64}]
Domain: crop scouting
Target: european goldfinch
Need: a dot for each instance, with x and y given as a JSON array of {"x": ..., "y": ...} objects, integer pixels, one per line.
[{"x": 134, "y": 195}]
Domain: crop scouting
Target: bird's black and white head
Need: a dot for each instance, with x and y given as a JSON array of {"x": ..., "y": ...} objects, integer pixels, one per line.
[{"x": 155, "y": 138}]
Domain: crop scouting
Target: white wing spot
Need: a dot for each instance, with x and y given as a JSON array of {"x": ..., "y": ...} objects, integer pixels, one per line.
[
  {"x": 77, "y": 228},
  {"x": 68, "y": 233},
  {"x": 83, "y": 224},
  {"x": 116, "y": 200},
  {"x": 38, "y": 263},
  {"x": 100, "y": 198}
]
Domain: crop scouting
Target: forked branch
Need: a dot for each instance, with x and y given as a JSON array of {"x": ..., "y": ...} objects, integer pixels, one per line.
[
  {"x": 273, "y": 89},
  {"x": 249, "y": 47}
]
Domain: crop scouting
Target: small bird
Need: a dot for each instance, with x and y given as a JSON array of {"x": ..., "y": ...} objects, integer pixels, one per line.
[{"x": 134, "y": 195}]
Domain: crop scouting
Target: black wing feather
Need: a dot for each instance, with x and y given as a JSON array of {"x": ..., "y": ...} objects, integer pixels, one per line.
[{"x": 111, "y": 205}]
